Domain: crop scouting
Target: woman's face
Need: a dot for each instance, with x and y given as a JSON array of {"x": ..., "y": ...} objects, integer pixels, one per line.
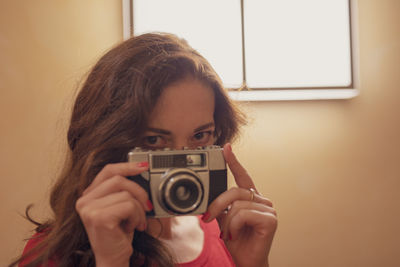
[{"x": 182, "y": 117}]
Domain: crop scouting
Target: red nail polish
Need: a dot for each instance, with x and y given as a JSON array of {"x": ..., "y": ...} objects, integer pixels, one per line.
[
  {"x": 143, "y": 164},
  {"x": 149, "y": 205},
  {"x": 221, "y": 235},
  {"x": 205, "y": 216}
]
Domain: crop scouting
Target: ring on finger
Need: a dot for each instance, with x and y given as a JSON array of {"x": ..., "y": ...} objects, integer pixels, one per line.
[
  {"x": 227, "y": 209},
  {"x": 252, "y": 193}
]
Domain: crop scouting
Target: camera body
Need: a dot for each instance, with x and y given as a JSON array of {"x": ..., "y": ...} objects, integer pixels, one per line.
[{"x": 181, "y": 182}]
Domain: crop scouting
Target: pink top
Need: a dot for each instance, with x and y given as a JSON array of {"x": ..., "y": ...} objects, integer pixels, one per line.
[{"x": 214, "y": 253}]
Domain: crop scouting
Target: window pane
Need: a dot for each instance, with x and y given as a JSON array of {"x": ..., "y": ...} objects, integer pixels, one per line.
[
  {"x": 292, "y": 43},
  {"x": 211, "y": 27}
]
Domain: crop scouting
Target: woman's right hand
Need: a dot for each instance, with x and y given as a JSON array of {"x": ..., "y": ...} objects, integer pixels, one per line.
[{"x": 111, "y": 208}]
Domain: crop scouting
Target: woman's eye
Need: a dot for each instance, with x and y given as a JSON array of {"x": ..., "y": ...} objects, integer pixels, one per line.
[
  {"x": 151, "y": 139},
  {"x": 199, "y": 136},
  {"x": 202, "y": 136},
  {"x": 154, "y": 141}
]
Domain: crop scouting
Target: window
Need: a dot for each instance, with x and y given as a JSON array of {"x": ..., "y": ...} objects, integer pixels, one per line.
[{"x": 262, "y": 49}]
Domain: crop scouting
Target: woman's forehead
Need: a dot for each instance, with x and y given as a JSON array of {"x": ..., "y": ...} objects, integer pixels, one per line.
[{"x": 187, "y": 103}]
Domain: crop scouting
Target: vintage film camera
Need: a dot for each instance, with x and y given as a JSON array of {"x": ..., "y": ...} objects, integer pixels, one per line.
[{"x": 181, "y": 182}]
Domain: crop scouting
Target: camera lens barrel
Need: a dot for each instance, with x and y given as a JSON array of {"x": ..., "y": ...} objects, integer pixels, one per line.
[{"x": 182, "y": 192}]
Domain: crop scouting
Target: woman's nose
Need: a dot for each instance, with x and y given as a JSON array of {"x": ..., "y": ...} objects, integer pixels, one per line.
[
  {"x": 178, "y": 147},
  {"x": 180, "y": 144}
]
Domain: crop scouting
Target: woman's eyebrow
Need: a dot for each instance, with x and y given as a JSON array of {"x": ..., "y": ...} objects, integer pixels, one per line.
[
  {"x": 205, "y": 126},
  {"x": 165, "y": 132},
  {"x": 160, "y": 131}
]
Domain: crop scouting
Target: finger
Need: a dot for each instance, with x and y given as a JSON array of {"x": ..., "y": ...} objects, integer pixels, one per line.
[
  {"x": 122, "y": 169},
  {"x": 240, "y": 174},
  {"x": 237, "y": 207},
  {"x": 243, "y": 204},
  {"x": 126, "y": 216},
  {"x": 104, "y": 202},
  {"x": 119, "y": 197},
  {"x": 263, "y": 224},
  {"x": 110, "y": 217},
  {"x": 117, "y": 184},
  {"x": 130, "y": 226},
  {"x": 224, "y": 200},
  {"x": 225, "y": 217}
]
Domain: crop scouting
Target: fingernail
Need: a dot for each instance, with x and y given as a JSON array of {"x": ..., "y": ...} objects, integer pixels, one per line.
[
  {"x": 143, "y": 164},
  {"x": 221, "y": 235},
  {"x": 230, "y": 236},
  {"x": 149, "y": 205},
  {"x": 205, "y": 216}
]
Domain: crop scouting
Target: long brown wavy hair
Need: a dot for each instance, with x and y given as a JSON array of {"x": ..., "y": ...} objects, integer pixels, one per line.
[{"x": 109, "y": 118}]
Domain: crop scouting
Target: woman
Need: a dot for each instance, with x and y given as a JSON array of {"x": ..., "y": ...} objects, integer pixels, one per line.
[{"x": 152, "y": 91}]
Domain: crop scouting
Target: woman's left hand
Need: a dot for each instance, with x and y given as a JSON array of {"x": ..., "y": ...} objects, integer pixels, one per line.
[{"x": 246, "y": 219}]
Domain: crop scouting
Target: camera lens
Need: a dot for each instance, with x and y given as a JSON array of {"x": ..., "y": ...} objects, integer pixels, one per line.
[{"x": 182, "y": 192}]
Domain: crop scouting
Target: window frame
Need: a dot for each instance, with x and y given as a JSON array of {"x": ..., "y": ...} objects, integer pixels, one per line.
[{"x": 284, "y": 94}]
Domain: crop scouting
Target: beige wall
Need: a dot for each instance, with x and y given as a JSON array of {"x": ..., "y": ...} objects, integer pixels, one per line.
[
  {"x": 331, "y": 167},
  {"x": 45, "y": 48}
]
